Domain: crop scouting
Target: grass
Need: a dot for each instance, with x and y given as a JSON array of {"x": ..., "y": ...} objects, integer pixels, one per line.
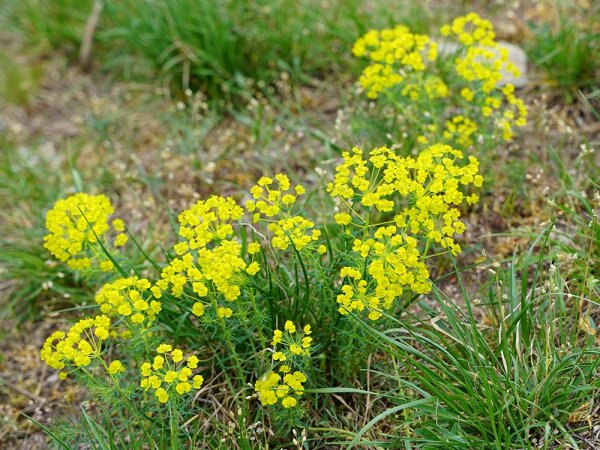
[
  {"x": 183, "y": 44},
  {"x": 512, "y": 364},
  {"x": 49, "y": 25},
  {"x": 33, "y": 279},
  {"x": 511, "y": 383},
  {"x": 567, "y": 50}
]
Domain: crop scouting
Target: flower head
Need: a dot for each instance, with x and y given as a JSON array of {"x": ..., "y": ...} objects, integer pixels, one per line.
[{"x": 169, "y": 376}]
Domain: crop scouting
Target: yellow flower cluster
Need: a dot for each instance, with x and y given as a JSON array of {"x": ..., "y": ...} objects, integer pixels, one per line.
[
  {"x": 424, "y": 194},
  {"x": 168, "y": 376},
  {"x": 397, "y": 58},
  {"x": 459, "y": 129},
  {"x": 515, "y": 113},
  {"x": 210, "y": 257},
  {"x": 393, "y": 262},
  {"x": 116, "y": 367},
  {"x": 75, "y": 224},
  {"x": 471, "y": 29},
  {"x": 284, "y": 383},
  {"x": 295, "y": 343},
  {"x": 377, "y": 78},
  {"x": 273, "y": 204},
  {"x": 430, "y": 87},
  {"x": 483, "y": 64},
  {"x": 78, "y": 347},
  {"x": 129, "y": 298},
  {"x": 390, "y": 50},
  {"x": 391, "y": 207}
]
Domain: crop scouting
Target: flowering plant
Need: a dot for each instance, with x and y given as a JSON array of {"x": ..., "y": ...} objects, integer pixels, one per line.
[
  {"x": 455, "y": 90},
  {"x": 389, "y": 213},
  {"x": 244, "y": 265}
]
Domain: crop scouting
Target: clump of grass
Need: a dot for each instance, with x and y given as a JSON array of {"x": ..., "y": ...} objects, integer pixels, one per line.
[
  {"x": 30, "y": 278},
  {"x": 232, "y": 47},
  {"x": 576, "y": 240},
  {"x": 48, "y": 25},
  {"x": 568, "y": 50},
  {"x": 515, "y": 380},
  {"x": 225, "y": 49}
]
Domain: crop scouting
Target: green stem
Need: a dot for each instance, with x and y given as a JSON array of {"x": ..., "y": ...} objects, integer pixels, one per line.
[
  {"x": 261, "y": 335},
  {"x": 173, "y": 424},
  {"x": 230, "y": 345}
]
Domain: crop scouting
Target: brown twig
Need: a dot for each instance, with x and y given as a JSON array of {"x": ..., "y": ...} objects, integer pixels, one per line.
[{"x": 88, "y": 35}]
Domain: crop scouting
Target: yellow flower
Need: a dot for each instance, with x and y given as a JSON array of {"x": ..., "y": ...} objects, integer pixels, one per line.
[
  {"x": 197, "y": 381},
  {"x": 120, "y": 240},
  {"x": 253, "y": 247},
  {"x": 184, "y": 374},
  {"x": 170, "y": 376},
  {"x": 342, "y": 218},
  {"x": 183, "y": 388},
  {"x": 295, "y": 349},
  {"x": 115, "y": 367},
  {"x": 224, "y": 312},
  {"x": 158, "y": 362},
  {"x": 192, "y": 362},
  {"x": 289, "y": 326},
  {"x": 279, "y": 356},
  {"x": 253, "y": 268},
  {"x": 107, "y": 265},
  {"x": 177, "y": 355},
  {"x": 146, "y": 369},
  {"x": 277, "y": 336},
  {"x": 289, "y": 402},
  {"x": 162, "y": 395},
  {"x": 101, "y": 332},
  {"x": 198, "y": 309},
  {"x": 164, "y": 348},
  {"x": 467, "y": 94},
  {"x": 118, "y": 225}
]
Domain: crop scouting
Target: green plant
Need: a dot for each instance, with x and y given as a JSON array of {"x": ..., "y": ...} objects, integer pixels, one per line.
[
  {"x": 460, "y": 96},
  {"x": 239, "y": 273},
  {"x": 56, "y": 24},
  {"x": 568, "y": 50},
  {"x": 31, "y": 280},
  {"x": 513, "y": 382},
  {"x": 226, "y": 49}
]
